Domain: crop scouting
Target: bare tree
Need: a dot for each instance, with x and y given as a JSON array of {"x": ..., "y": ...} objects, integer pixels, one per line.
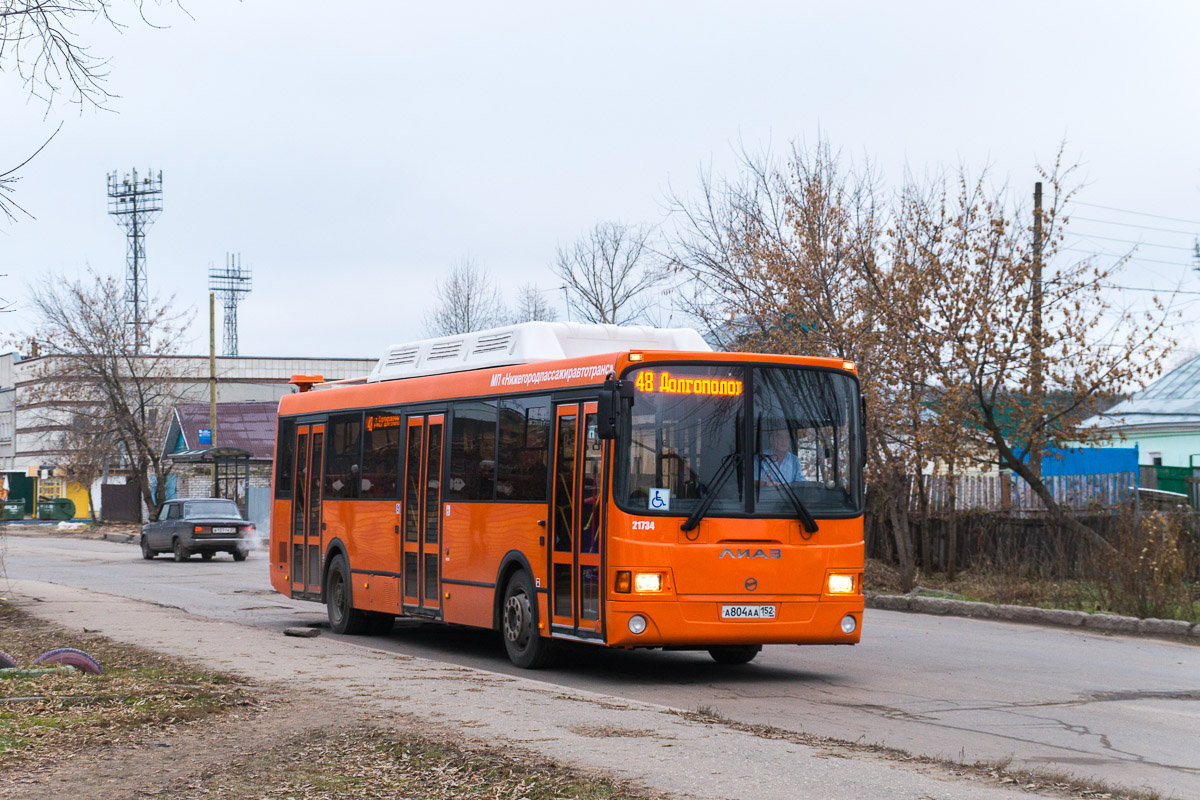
[
  {"x": 89, "y": 449},
  {"x": 1023, "y": 346},
  {"x": 40, "y": 38},
  {"x": 532, "y": 306},
  {"x": 933, "y": 296},
  {"x": 40, "y": 44},
  {"x": 609, "y": 274},
  {"x": 784, "y": 259},
  {"x": 92, "y": 377},
  {"x": 466, "y": 300}
]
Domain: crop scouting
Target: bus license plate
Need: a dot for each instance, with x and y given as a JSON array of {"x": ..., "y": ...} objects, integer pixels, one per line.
[
  {"x": 224, "y": 530},
  {"x": 747, "y": 612}
]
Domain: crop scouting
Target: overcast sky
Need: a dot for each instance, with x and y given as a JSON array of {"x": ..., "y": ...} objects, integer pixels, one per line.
[{"x": 352, "y": 152}]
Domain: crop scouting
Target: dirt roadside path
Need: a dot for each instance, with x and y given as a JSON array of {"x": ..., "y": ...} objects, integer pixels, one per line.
[{"x": 327, "y": 683}]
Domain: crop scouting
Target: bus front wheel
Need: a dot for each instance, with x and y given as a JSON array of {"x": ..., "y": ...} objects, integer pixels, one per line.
[
  {"x": 343, "y": 616},
  {"x": 735, "y": 654},
  {"x": 526, "y": 647}
]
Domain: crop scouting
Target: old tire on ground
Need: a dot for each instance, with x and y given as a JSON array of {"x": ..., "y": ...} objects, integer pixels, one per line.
[
  {"x": 70, "y": 657},
  {"x": 239, "y": 555},
  {"x": 181, "y": 552},
  {"x": 147, "y": 553},
  {"x": 7, "y": 661},
  {"x": 207, "y": 555},
  {"x": 735, "y": 654},
  {"x": 339, "y": 600},
  {"x": 526, "y": 647}
]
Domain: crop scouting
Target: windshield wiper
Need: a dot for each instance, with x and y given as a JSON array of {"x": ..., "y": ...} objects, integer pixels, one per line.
[
  {"x": 714, "y": 486},
  {"x": 806, "y": 517}
]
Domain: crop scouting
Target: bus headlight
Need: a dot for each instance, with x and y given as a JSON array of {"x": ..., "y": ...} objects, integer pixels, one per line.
[
  {"x": 841, "y": 584},
  {"x": 648, "y": 582},
  {"x": 849, "y": 624},
  {"x": 637, "y": 624}
]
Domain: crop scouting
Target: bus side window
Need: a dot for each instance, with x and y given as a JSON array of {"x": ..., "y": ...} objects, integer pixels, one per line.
[
  {"x": 343, "y": 456},
  {"x": 523, "y": 452},
  {"x": 472, "y": 451},
  {"x": 285, "y": 458},
  {"x": 381, "y": 454}
]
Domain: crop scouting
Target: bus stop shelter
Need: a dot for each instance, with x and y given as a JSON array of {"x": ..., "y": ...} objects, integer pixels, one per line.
[{"x": 230, "y": 470}]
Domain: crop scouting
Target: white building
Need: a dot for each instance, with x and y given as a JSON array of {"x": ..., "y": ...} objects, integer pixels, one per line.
[{"x": 30, "y": 445}]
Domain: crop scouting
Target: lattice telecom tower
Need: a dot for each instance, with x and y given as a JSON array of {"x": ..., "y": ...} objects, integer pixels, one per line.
[
  {"x": 135, "y": 203},
  {"x": 231, "y": 284}
]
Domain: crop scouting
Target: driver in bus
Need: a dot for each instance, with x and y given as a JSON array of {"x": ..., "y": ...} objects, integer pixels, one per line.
[{"x": 778, "y": 454}]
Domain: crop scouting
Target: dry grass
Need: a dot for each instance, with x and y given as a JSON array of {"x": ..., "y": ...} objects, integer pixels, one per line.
[
  {"x": 140, "y": 693},
  {"x": 372, "y": 763},
  {"x": 1024, "y": 590},
  {"x": 1153, "y": 570}
]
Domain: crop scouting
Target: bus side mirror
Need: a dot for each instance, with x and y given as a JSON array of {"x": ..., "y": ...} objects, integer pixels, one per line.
[{"x": 608, "y": 408}]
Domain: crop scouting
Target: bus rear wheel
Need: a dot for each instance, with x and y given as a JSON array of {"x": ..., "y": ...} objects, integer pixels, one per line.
[
  {"x": 525, "y": 646},
  {"x": 343, "y": 616},
  {"x": 735, "y": 654}
]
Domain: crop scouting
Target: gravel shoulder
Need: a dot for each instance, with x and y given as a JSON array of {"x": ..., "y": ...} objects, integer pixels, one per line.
[{"x": 329, "y": 682}]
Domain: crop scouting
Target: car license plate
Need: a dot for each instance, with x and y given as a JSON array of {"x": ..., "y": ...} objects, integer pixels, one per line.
[
  {"x": 224, "y": 530},
  {"x": 747, "y": 612}
]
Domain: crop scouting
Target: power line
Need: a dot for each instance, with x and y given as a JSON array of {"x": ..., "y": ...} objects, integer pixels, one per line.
[
  {"x": 1135, "y": 243},
  {"x": 1138, "y": 213},
  {"x": 1132, "y": 260},
  {"x": 1132, "y": 225},
  {"x": 1144, "y": 289}
]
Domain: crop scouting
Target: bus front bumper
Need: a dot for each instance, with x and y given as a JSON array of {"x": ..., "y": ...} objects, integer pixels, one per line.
[{"x": 698, "y": 621}]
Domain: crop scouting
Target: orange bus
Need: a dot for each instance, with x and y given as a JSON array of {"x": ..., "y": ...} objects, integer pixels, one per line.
[{"x": 617, "y": 486}]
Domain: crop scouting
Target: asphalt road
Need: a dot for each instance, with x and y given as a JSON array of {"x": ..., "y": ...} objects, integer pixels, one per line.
[{"x": 1124, "y": 710}]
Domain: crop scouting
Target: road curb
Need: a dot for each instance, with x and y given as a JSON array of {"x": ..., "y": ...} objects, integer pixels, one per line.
[{"x": 1177, "y": 630}]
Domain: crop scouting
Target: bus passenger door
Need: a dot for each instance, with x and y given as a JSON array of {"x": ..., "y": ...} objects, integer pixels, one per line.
[
  {"x": 576, "y": 531},
  {"x": 423, "y": 513},
  {"x": 306, "y": 510}
]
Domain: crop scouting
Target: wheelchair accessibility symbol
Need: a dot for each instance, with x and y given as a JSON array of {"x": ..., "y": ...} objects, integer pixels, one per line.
[{"x": 660, "y": 499}]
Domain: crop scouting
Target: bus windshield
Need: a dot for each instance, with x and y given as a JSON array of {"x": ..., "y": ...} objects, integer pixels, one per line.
[{"x": 760, "y": 440}]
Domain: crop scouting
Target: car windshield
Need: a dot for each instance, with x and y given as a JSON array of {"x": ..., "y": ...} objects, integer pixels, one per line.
[
  {"x": 219, "y": 509},
  {"x": 790, "y": 437}
]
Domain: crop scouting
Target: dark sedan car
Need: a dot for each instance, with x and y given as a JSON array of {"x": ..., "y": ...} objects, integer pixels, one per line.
[{"x": 204, "y": 526}]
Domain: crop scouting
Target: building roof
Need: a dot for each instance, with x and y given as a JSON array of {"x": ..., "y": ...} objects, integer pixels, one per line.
[
  {"x": 247, "y": 426},
  {"x": 1173, "y": 401}
]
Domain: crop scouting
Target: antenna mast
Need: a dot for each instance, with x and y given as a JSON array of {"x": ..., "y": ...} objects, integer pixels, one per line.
[
  {"x": 231, "y": 284},
  {"x": 135, "y": 203}
]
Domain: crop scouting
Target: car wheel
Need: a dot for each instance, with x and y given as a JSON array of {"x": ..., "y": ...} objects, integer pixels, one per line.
[
  {"x": 239, "y": 555},
  {"x": 147, "y": 553},
  {"x": 525, "y": 646},
  {"x": 207, "y": 555},
  {"x": 181, "y": 552},
  {"x": 339, "y": 600},
  {"x": 735, "y": 654}
]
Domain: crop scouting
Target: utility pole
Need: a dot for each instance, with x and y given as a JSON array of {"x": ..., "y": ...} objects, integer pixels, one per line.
[
  {"x": 1036, "y": 377},
  {"x": 212, "y": 381}
]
